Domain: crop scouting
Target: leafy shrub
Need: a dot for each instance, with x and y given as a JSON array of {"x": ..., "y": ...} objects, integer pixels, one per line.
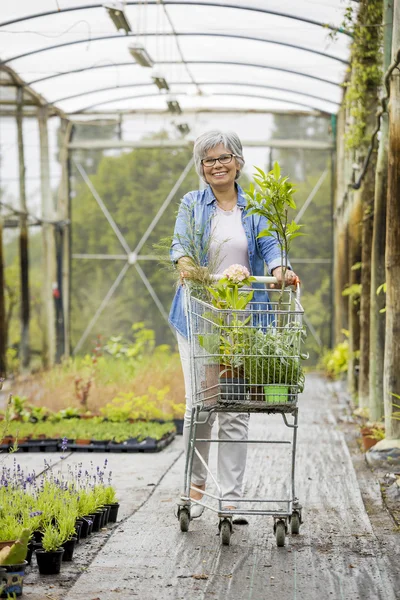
[{"x": 335, "y": 362}]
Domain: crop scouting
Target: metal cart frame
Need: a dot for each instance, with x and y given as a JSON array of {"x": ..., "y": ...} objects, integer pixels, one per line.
[{"x": 279, "y": 318}]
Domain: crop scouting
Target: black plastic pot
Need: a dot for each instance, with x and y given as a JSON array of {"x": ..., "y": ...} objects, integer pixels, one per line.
[
  {"x": 32, "y": 546},
  {"x": 113, "y": 512},
  {"x": 69, "y": 547},
  {"x": 78, "y": 527},
  {"x": 233, "y": 389},
  {"x": 91, "y": 517},
  {"x": 12, "y": 579},
  {"x": 179, "y": 426},
  {"x": 107, "y": 516},
  {"x": 49, "y": 563},
  {"x": 105, "y": 512},
  {"x": 97, "y": 520},
  {"x": 38, "y": 536},
  {"x": 85, "y": 526}
]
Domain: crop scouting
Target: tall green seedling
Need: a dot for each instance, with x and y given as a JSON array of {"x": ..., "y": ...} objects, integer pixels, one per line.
[{"x": 272, "y": 197}]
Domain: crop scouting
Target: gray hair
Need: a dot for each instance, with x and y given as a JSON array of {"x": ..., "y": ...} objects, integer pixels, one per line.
[{"x": 209, "y": 140}]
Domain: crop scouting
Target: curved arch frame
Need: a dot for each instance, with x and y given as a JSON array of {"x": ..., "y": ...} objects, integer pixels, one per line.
[
  {"x": 130, "y": 97},
  {"x": 240, "y": 84},
  {"x": 191, "y": 62},
  {"x": 183, "y": 3},
  {"x": 177, "y": 34}
]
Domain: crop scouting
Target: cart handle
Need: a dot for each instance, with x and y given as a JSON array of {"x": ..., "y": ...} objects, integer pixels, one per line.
[{"x": 263, "y": 279}]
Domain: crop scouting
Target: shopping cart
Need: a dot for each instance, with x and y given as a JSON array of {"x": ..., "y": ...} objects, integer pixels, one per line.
[{"x": 245, "y": 361}]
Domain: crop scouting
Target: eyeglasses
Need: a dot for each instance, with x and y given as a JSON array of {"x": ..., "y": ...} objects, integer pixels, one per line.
[{"x": 224, "y": 159}]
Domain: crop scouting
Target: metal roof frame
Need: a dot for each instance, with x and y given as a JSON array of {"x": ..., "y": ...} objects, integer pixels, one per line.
[
  {"x": 192, "y": 62},
  {"x": 233, "y": 83},
  {"x": 167, "y": 3},
  {"x": 130, "y": 97},
  {"x": 175, "y": 34}
]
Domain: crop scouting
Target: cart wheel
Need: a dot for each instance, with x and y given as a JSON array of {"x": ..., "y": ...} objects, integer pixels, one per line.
[
  {"x": 226, "y": 532},
  {"x": 280, "y": 533},
  {"x": 295, "y": 523},
  {"x": 184, "y": 519}
]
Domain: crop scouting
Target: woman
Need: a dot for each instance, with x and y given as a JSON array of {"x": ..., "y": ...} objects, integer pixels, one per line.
[{"x": 218, "y": 216}]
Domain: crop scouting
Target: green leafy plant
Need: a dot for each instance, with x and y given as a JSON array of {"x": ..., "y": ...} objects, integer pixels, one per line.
[
  {"x": 365, "y": 25},
  {"x": 53, "y": 538},
  {"x": 272, "y": 199},
  {"x": 353, "y": 291},
  {"x": 228, "y": 297},
  {"x": 272, "y": 357},
  {"x": 335, "y": 361},
  {"x": 110, "y": 495},
  {"x": 382, "y": 289}
]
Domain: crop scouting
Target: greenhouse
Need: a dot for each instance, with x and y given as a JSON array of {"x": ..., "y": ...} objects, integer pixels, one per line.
[{"x": 113, "y": 112}]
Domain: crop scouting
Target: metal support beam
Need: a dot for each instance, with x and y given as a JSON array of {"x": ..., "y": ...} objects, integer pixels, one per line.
[
  {"x": 226, "y": 94},
  {"x": 24, "y": 350},
  {"x": 206, "y": 3},
  {"x": 281, "y": 144},
  {"x": 49, "y": 249},
  {"x": 164, "y": 206},
  {"x": 102, "y": 306},
  {"x": 150, "y": 34},
  {"x": 37, "y": 98},
  {"x": 311, "y": 196},
  {"x": 3, "y": 320},
  {"x": 103, "y": 208},
  {"x": 64, "y": 269},
  {"x": 234, "y": 63},
  {"x": 201, "y": 83}
]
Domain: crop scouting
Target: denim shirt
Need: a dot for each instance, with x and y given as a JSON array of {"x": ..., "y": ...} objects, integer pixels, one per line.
[{"x": 201, "y": 205}]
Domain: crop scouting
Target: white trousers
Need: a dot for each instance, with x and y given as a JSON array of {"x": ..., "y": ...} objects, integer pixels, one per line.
[{"x": 232, "y": 426}]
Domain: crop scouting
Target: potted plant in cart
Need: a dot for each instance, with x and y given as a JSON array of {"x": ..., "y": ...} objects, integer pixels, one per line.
[
  {"x": 226, "y": 344},
  {"x": 272, "y": 199}
]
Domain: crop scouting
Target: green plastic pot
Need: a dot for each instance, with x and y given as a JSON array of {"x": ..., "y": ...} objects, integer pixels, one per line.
[{"x": 276, "y": 394}]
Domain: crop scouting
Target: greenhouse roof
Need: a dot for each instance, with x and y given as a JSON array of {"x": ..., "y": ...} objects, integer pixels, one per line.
[{"x": 212, "y": 55}]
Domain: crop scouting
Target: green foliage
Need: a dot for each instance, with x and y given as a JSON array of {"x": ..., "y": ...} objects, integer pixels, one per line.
[
  {"x": 129, "y": 406},
  {"x": 353, "y": 291},
  {"x": 95, "y": 428},
  {"x": 366, "y": 67},
  {"x": 272, "y": 199},
  {"x": 272, "y": 358},
  {"x": 226, "y": 295},
  {"x": 53, "y": 538},
  {"x": 335, "y": 361}
]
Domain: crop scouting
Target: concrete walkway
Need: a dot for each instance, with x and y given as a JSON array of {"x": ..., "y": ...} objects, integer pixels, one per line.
[{"x": 338, "y": 554}]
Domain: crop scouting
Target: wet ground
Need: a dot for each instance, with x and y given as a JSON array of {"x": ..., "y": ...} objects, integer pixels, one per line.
[{"x": 348, "y": 547}]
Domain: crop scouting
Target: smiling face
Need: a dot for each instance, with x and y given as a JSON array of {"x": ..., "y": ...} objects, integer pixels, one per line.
[{"x": 220, "y": 177}]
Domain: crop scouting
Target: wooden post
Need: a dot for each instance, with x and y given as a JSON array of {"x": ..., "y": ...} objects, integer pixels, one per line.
[
  {"x": 378, "y": 318},
  {"x": 64, "y": 214},
  {"x": 392, "y": 345},
  {"x": 3, "y": 325},
  {"x": 49, "y": 251},
  {"x": 354, "y": 256},
  {"x": 24, "y": 352},
  {"x": 340, "y": 235},
  {"x": 367, "y": 201}
]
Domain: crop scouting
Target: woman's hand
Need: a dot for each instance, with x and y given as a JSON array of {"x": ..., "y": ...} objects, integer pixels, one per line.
[
  {"x": 187, "y": 270},
  {"x": 290, "y": 277}
]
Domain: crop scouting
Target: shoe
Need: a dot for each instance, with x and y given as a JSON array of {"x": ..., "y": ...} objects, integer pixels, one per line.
[
  {"x": 239, "y": 520},
  {"x": 236, "y": 519},
  {"x": 196, "y": 510}
]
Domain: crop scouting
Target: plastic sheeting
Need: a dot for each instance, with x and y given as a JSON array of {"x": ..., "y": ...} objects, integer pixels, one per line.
[{"x": 277, "y": 55}]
